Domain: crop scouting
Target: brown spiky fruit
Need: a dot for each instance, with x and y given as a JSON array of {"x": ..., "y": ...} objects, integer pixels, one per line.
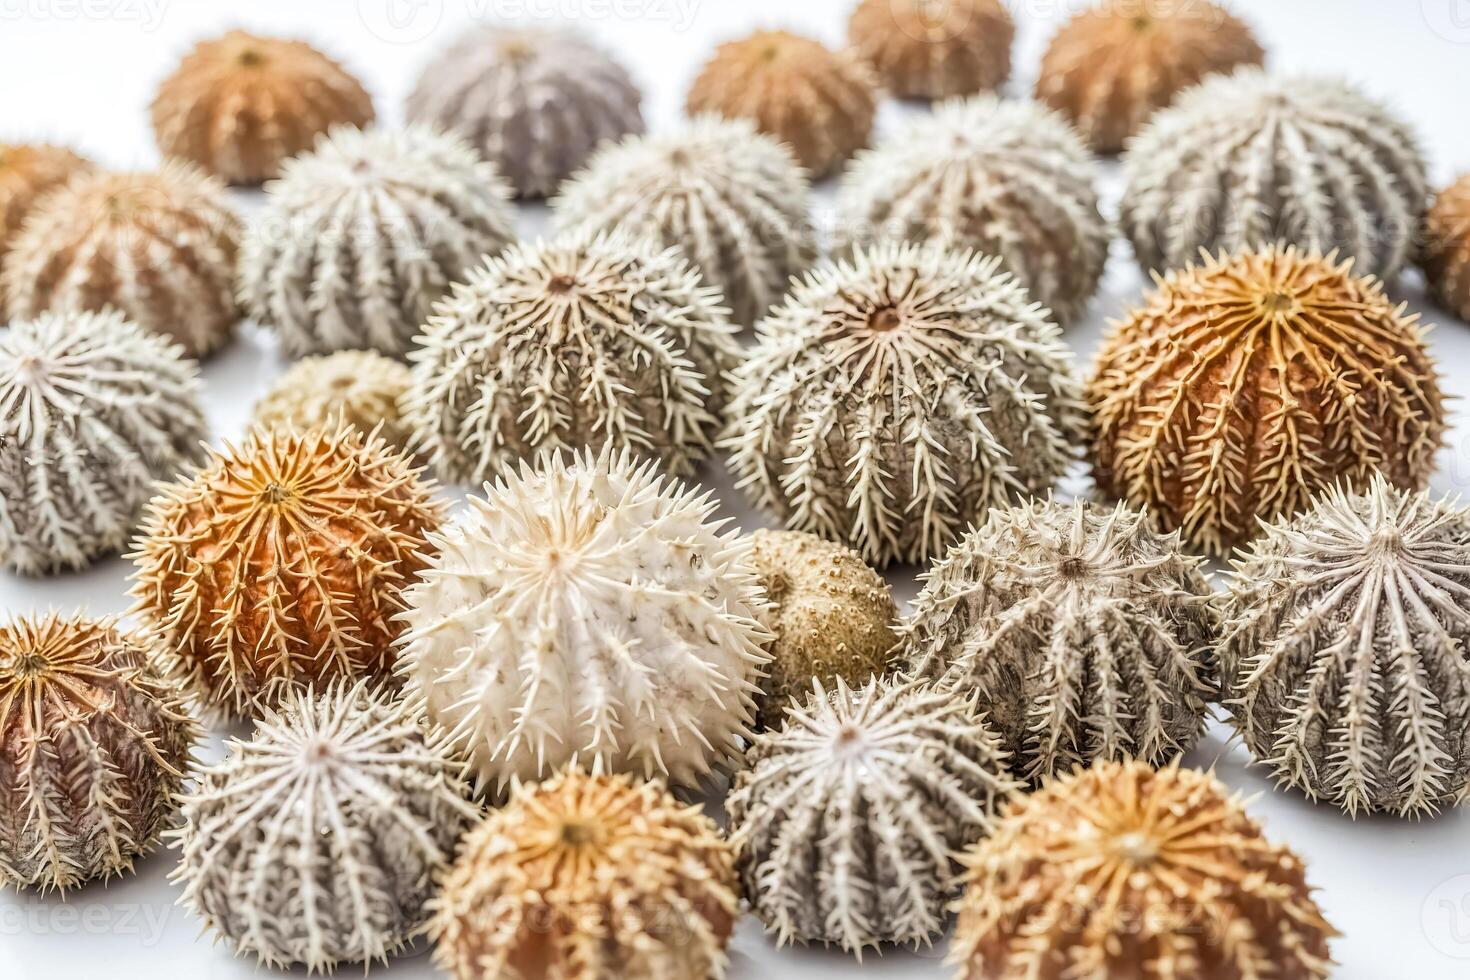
[
  {"x": 934, "y": 49},
  {"x": 1121, "y": 871},
  {"x": 95, "y": 746},
  {"x": 361, "y": 387},
  {"x": 832, "y": 617},
  {"x": 240, "y": 104},
  {"x": 280, "y": 564},
  {"x": 27, "y": 172},
  {"x": 819, "y": 102},
  {"x": 1111, "y": 66},
  {"x": 589, "y": 877},
  {"x": 1243, "y": 385},
  {"x": 1447, "y": 248}
]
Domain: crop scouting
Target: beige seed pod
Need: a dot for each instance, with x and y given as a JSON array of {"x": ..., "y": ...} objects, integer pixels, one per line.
[
  {"x": 363, "y": 388},
  {"x": 935, "y": 50},
  {"x": 27, "y": 172},
  {"x": 1447, "y": 250}
]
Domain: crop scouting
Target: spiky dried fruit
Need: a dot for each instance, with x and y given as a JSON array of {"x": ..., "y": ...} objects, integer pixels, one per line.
[
  {"x": 1002, "y": 177},
  {"x": 832, "y": 617},
  {"x": 730, "y": 198},
  {"x": 240, "y": 104},
  {"x": 280, "y": 564},
  {"x": 95, "y": 746},
  {"x": 359, "y": 387},
  {"x": 1244, "y": 385},
  {"x": 320, "y": 840},
  {"x": 1113, "y": 65},
  {"x": 92, "y": 411},
  {"x": 587, "y": 611},
  {"x": 1083, "y": 633},
  {"x": 1446, "y": 256},
  {"x": 589, "y": 878},
  {"x": 585, "y": 340},
  {"x": 928, "y": 50},
  {"x": 844, "y": 822},
  {"x": 896, "y": 397},
  {"x": 1121, "y": 870},
  {"x": 364, "y": 234},
  {"x": 1344, "y": 653},
  {"x": 160, "y": 247},
  {"x": 27, "y": 172},
  {"x": 536, "y": 102},
  {"x": 819, "y": 102},
  {"x": 1251, "y": 159}
]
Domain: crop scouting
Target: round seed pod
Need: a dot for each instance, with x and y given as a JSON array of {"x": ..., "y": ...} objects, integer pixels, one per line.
[
  {"x": 927, "y": 50},
  {"x": 1447, "y": 249},
  {"x": 95, "y": 747},
  {"x": 1344, "y": 651},
  {"x": 27, "y": 172},
  {"x": 1124, "y": 871},
  {"x": 240, "y": 104},
  {"x": 360, "y": 387},
  {"x": 819, "y": 102},
  {"x": 1244, "y": 385},
  {"x": 585, "y": 878},
  {"x": 280, "y": 564},
  {"x": 1082, "y": 633},
  {"x": 159, "y": 247},
  {"x": 536, "y": 102}
]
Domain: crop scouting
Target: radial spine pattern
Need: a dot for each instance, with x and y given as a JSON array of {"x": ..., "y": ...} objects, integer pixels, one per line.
[
  {"x": 364, "y": 234},
  {"x": 1250, "y": 159},
  {"x": 733, "y": 200},
  {"x": 1083, "y": 633},
  {"x": 1003, "y": 177},
  {"x": 1447, "y": 249},
  {"x": 588, "y": 611},
  {"x": 1344, "y": 654},
  {"x": 922, "y": 49},
  {"x": 280, "y": 564},
  {"x": 92, "y": 412},
  {"x": 320, "y": 840},
  {"x": 27, "y": 173},
  {"x": 360, "y": 387},
  {"x": 894, "y": 398},
  {"x": 95, "y": 747},
  {"x": 844, "y": 822}
]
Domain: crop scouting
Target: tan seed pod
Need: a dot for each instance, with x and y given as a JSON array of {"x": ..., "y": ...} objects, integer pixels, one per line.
[
  {"x": 27, "y": 172},
  {"x": 1245, "y": 384},
  {"x": 1447, "y": 249},
  {"x": 361, "y": 387},
  {"x": 934, "y": 50},
  {"x": 819, "y": 102},
  {"x": 240, "y": 104}
]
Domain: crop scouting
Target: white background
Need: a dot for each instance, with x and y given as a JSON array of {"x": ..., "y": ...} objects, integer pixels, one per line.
[{"x": 83, "y": 71}]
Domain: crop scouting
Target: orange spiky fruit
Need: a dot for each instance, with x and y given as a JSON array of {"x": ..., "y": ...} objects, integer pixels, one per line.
[
  {"x": 934, "y": 49},
  {"x": 1447, "y": 249},
  {"x": 27, "y": 171}
]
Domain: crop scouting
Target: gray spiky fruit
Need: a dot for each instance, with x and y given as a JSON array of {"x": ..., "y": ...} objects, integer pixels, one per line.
[
  {"x": 895, "y": 397},
  {"x": 731, "y": 198},
  {"x": 1250, "y": 159},
  {"x": 320, "y": 840},
  {"x": 585, "y": 340},
  {"x": 534, "y": 101},
  {"x": 846, "y": 821},
  {"x": 1084, "y": 634},
  {"x": 1344, "y": 650},
  {"x": 364, "y": 234},
  {"x": 1004, "y": 177},
  {"x": 93, "y": 411}
]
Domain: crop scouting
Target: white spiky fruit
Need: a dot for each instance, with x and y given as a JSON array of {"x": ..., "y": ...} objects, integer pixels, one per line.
[
  {"x": 587, "y": 610},
  {"x": 364, "y": 234},
  {"x": 93, "y": 411}
]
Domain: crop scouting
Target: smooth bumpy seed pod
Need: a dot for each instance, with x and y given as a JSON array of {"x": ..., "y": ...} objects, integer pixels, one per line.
[
  {"x": 1344, "y": 654},
  {"x": 160, "y": 247},
  {"x": 1244, "y": 385},
  {"x": 27, "y": 173},
  {"x": 589, "y": 878},
  {"x": 360, "y": 387},
  {"x": 1124, "y": 871},
  {"x": 930, "y": 50},
  {"x": 536, "y": 102},
  {"x": 734, "y": 201},
  {"x": 587, "y": 611},
  {"x": 1110, "y": 67},
  {"x": 280, "y": 564},
  {"x": 1083, "y": 633},
  {"x": 95, "y": 747},
  {"x": 92, "y": 412},
  {"x": 844, "y": 822},
  {"x": 819, "y": 102},
  {"x": 1447, "y": 248},
  {"x": 364, "y": 234},
  {"x": 320, "y": 840},
  {"x": 240, "y": 104},
  {"x": 1251, "y": 159},
  {"x": 580, "y": 341},
  {"x": 1005, "y": 178},
  {"x": 893, "y": 399}
]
